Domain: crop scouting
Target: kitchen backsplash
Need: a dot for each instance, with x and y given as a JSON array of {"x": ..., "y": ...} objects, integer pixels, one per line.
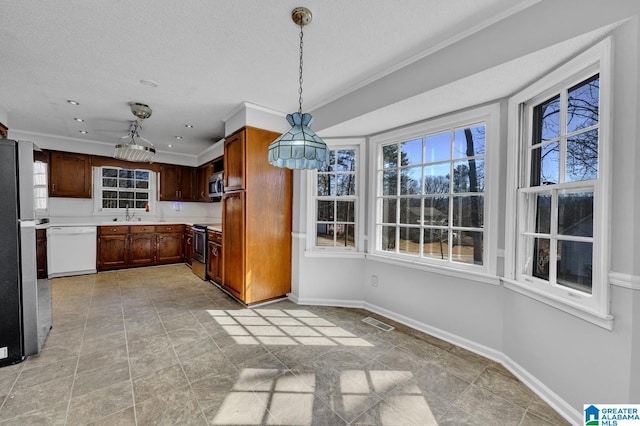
[{"x": 60, "y": 208}]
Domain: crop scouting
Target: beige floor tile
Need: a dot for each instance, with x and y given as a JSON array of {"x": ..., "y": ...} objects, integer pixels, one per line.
[
  {"x": 100, "y": 403},
  {"x": 186, "y": 353},
  {"x": 158, "y": 382},
  {"x": 508, "y": 388},
  {"x": 107, "y": 375},
  {"x": 489, "y": 407}
]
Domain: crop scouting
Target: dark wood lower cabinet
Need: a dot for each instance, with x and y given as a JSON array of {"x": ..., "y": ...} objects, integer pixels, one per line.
[
  {"x": 141, "y": 249},
  {"x": 234, "y": 230},
  {"x": 112, "y": 247},
  {"x": 188, "y": 245},
  {"x": 170, "y": 243},
  {"x": 139, "y": 245},
  {"x": 214, "y": 256}
]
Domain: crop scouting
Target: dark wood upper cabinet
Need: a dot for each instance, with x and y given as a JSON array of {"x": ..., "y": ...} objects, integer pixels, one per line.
[
  {"x": 69, "y": 175},
  {"x": 177, "y": 183},
  {"x": 204, "y": 172},
  {"x": 234, "y": 162}
]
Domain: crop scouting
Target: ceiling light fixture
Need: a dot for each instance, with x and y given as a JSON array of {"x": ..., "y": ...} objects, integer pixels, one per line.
[
  {"x": 72, "y": 102},
  {"x": 188, "y": 126},
  {"x": 129, "y": 147},
  {"x": 300, "y": 147},
  {"x": 79, "y": 119},
  {"x": 178, "y": 137},
  {"x": 84, "y": 132}
]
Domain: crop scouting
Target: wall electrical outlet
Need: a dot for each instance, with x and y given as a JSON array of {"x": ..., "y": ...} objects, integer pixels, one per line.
[
  {"x": 374, "y": 281},
  {"x": 3, "y": 353}
]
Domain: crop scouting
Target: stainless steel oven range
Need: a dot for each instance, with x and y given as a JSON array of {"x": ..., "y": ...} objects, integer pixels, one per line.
[{"x": 199, "y": 263}]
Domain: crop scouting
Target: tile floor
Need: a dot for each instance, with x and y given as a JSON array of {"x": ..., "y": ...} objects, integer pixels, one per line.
[{"x": 157, "y": 346}]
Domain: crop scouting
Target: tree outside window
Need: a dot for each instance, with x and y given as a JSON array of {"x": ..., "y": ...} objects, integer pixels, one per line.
[
  {"x": 336, "y": 200},
  {"x": 431, "y": 201}
]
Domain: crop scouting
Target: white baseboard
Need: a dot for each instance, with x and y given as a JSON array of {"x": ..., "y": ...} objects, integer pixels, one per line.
[
  {"x": 340, "y": 303},
  {"x": 441, "y": 334},
  {"x": 550, "y": 397}
]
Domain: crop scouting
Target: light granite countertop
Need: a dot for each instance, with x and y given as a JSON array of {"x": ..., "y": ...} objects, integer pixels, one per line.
[{"x": 212, "y": 223}]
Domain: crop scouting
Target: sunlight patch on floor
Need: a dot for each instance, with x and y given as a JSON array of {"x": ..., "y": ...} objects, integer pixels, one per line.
[
  {"x": 273, "y": 396},
  {"x": 283, "y": 327}
]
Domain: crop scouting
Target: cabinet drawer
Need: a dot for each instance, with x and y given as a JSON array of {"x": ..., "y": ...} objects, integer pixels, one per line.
[
  {"x": 214, "y": 236},
  {"x": 142, "y": 229},
  {"x": 169, "y": 228},
  {"x": 113, "y": 230}
]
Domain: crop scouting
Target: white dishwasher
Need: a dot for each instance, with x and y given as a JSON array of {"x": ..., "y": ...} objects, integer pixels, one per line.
[{"x": 71, "y": 250}]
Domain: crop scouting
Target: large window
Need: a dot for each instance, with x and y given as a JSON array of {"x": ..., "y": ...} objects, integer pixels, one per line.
[
  {"x": 431, "y": 191},
  {"x": 556, "y": 235},
  {"x": 120, "y": 189},
  {"x": 559, "y": 239},
  {"x": 335, "y": 201}
]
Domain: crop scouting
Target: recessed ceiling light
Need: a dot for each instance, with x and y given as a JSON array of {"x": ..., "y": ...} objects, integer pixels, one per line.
[
  {"x": 178, "y": 137},
  {"x": 72, "y": 102},
  {"x": 188, "y": 126},
  {"x": 170, "y": 146},
  {"x": 149, "y": 83},
  {"x": 84, "y": 132},
  {"x": 79, "y": 119}
]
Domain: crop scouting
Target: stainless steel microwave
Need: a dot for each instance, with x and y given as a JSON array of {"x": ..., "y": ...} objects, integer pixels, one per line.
[{"x": 216, "y": 185}]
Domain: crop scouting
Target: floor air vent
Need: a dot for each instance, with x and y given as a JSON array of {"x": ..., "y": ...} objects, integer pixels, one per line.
[{"x": 378, "y": 324}]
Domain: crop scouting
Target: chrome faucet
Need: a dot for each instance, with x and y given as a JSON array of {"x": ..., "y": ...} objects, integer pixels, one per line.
[{"x": 126, "y": 214}]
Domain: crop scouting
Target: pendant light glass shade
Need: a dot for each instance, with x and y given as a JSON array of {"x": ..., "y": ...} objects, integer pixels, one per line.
[
  {"x": 300, "y": 147},
  {"x": 134, "y": 147}
]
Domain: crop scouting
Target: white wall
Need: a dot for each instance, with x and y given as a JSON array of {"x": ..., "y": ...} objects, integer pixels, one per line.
[{"x": 567, "y": 360}]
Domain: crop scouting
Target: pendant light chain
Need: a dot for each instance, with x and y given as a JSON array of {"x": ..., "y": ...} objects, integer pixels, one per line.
[
  {"x": 300, "y": 147},
  {"x": 300, "y": 78}
]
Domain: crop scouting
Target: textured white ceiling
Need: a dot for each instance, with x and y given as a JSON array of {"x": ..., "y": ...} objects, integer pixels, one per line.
[{"x": 207, "y": 57}]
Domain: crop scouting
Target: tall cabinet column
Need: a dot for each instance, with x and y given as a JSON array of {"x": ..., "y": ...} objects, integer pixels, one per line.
[{"x": 256, "y": 219}]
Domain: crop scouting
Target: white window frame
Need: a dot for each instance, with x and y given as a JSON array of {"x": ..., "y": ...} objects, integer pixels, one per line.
[
  {"x": 592, "y": 307},
  {"x": 97, "y": 191},
  {"x": 312, "y": 249},
  {"x": 41, "y": 188},
  {"x": 490, "y": 116}
]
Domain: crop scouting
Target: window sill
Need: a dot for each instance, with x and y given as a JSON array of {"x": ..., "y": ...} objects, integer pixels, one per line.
[
  {"x": 442, "y": 270},
  {"x": 602, "y": 320}
]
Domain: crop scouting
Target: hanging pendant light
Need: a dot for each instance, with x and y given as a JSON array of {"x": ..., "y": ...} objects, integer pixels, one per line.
[
  {"x": 300, "y": 147},
  {"x": 133, "y": 147}
]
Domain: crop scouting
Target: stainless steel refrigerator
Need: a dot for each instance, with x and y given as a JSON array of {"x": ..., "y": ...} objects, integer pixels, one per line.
[{"x": 25, "y": 300}]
